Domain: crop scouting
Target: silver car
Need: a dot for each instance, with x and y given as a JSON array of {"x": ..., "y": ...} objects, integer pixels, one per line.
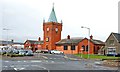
[
  {"x": 56, "y": 52},
  {"x": 22, "y": 52},
  {"x": 28, "y": 52}
]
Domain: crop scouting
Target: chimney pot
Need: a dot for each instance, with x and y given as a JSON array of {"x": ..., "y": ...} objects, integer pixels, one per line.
[
  {"x": 91, "y": 37},
  {"x": 39, "y": 39},
  {"x": 68, "y": 37}
]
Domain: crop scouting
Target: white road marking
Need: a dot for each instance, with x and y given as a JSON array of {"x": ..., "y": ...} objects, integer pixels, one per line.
[
  {"x": 18, "y": 68},
  {"x": 5, "y": 66},
  {"x": 6, "y": 61},
  {"x": 15, "y": 68},
  {"x": 45, "y": 57},
  {"x": 21, "y": 68},
  {"x": 18, "y": 61},
  {"x": 36, "y": 61},
  {"x": 42, "y": 67},
  {"x": 38, "y": 66},
  {"x": 11, "y": 66},
  {"x": 52, "y": 62},
  {"x": 24, "y": 61},
  {"x": 26, "y": 65},
  {"x": 54, "y": 58}
]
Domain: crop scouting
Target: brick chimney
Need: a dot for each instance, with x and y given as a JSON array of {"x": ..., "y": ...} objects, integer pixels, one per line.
[
  {"x": 68, "y": 37},
  {"x": 12, "y": 40},
  {"x": 91, "y": 37},
  {"x": 39, "y": 39}
]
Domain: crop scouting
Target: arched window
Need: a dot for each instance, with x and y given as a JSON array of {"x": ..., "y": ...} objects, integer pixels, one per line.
[
  {"x": 83, "y": 47},
  {"x": 87, "y": 48}
]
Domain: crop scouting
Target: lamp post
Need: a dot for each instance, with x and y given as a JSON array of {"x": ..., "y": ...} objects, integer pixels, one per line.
[
  {"x": 81, "y": 51},
  {"x": 88, "y": 39},
  {"x": 7, "y": 34}
]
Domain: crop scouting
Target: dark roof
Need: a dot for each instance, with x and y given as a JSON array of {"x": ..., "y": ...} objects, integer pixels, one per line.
[
  {"x": 9, "y": 42},
  {"x": 39, "y": 42},
  {"x": 97, "y": 41},
  {"x": 5, "y": 42},
  {"x": 68, "y": 41},
  {"x": 32, "y": 41},
  {"x": 18, "y": 43},
  {"x": 117, "y": 35},
  {"x": 75, "y": 41}
]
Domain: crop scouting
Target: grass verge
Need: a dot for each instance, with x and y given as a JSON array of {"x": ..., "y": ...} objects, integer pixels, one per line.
[{"x": 97, "y": 56}]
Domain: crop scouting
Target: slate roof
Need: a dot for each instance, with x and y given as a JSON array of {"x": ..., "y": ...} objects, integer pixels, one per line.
[
  {"x": 97, "y": 41},
  {"x": 75, "y": 41},
  {"x": 39, "y": 42},
  {"x": 52, "y": 17},
  {"x": 5, "y": 42},
  {"x": 35, "y": 42},
  {"x": 68, "y": 41},
  {"x": 117, "y": 35},
  {"x": 9, "y": 42},
  {"x": 32, "y": 41}
]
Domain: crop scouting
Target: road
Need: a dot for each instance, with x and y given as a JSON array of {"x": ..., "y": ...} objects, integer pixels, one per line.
[{"x": 49, "y": 62}]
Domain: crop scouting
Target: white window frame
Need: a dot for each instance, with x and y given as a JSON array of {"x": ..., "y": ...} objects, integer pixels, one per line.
[{"x": 111, "y": 50}]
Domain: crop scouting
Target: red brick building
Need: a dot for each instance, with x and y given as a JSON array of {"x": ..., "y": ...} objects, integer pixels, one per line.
[
  {"x": 79, "y": 45},
  {"x": 52, "y": 31},
  {"x": 52, "y": 40},
  {"x": 33, "y": 45}
]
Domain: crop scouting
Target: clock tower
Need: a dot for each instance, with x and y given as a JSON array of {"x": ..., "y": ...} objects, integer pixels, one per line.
[{"x": 52, "y": 31}]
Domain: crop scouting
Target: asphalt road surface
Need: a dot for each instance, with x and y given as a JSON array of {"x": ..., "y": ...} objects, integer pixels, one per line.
[{"x": 50, "y": 62}]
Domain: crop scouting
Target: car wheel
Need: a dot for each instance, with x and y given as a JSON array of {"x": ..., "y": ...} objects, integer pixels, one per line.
[{"x": 53, "y": 53}]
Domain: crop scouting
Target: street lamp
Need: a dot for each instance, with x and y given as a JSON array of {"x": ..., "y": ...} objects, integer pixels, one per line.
[
  {"x": 7, "y": 34},
  {"x": 88, "y": 39}
]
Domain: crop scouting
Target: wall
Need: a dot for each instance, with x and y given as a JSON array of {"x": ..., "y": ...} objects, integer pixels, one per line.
[
  {"x": 69, "y": 51},
  {"x": 52, "y": 34}
]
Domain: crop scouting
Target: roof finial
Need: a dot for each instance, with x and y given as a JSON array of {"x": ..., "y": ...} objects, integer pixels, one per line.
[
  {"x": 52, "y": 17},
  {"x": 53, "y": 5}
]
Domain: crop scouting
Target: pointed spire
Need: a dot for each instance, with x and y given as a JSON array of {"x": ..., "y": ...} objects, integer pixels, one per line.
[{"x": 52, "y": 17}]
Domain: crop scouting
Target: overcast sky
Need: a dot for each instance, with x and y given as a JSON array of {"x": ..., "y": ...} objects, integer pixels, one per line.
[{"x": 24, "y": 18}]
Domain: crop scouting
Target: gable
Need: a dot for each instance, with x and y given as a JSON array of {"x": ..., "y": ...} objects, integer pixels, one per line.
[
  {"x": 117, "y": 36},
  {"x": 111, "y": 38}
]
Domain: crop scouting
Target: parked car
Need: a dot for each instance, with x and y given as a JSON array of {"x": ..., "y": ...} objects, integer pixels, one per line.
[
  {"x": 2, "y": 51},
  {"x": 22, "y": 52},
  {"x": 15, "y": 51},
  {"x": 56, "y": 52},
  {"x": 38, "y": 51},
  {"x": 44, "y": 51},
  {"x": 28, "y": 52}
]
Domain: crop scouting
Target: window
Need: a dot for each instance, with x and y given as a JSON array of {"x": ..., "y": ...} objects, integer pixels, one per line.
[
  {"x": 48, "y": 29},
  {"x": 83, "y": 48},
  {"x": 47, "y": 39},
  {"x": 94, "y": 49},
  {"x": 65, "y": 47},
  {"x": 111, "y": 42},
  {"x": 73, "y": 47},
  {"x": 111, "y": 50},
  {"x": 56, "y": 29},
  {"x": 87, "y": 48}
]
